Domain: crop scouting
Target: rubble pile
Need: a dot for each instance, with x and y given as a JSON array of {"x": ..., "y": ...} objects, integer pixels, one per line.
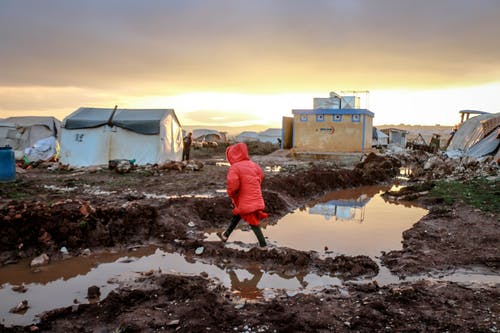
[{"x": 427, "y": 166}]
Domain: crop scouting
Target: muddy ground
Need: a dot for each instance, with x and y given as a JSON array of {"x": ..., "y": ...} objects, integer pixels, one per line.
[{"x": 100, "y": 209}]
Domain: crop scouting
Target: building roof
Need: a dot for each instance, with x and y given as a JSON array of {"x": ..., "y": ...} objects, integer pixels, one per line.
[{"x": 334, "y": 111}]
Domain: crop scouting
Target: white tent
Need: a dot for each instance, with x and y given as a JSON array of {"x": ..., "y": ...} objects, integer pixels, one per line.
[
  {"x": 247, "y": 136},
  {"x": 271, "y": 135},
  {"x": 94, "y": 136},
  {"x": 207, "y": 135},
  {"x": 23, "y": 133}
]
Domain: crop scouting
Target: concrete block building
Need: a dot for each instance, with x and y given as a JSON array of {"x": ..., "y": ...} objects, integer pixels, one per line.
[{"x": 335, "y": 124}]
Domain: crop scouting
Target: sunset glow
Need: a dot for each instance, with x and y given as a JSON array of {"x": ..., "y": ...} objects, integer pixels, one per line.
[{"x": 236, "y": 63}]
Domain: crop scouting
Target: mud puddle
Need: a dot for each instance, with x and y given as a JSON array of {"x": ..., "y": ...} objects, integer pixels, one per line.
[
  {"x": 352, "y": 222},
  {"x": 63, "y": 283}
]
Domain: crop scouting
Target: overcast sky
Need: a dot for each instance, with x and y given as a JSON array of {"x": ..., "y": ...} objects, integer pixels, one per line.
[{"x": 59, "y": 55}]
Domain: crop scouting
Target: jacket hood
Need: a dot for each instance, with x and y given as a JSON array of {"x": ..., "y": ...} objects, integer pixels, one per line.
[{"x": 237, "y": 153}]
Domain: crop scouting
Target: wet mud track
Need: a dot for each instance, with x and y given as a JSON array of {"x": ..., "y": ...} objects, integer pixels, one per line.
[{"x": 190, "y": 304}]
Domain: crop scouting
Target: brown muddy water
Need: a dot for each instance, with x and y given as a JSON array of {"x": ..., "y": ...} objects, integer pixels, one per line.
[{"x": 351, "y": 222}]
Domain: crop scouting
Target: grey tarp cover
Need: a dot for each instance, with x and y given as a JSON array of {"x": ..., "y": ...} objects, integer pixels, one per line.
[
  {"x": 140, "y": 121},
  {"x": 470, "y": 133},
  {"x": 486, "y": 146},
  {"x": 51, "y": 123},
  {"x": 87, "y": 118}
]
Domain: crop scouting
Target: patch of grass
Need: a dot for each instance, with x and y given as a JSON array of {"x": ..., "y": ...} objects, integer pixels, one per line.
[{"x": 479, "y": 193}]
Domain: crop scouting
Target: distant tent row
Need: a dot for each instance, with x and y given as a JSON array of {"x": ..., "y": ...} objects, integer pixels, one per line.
[
  {"x": 208, "y": 135},
  {"x": 272, "y": 135},
  {"x": 94, "y": 136}
]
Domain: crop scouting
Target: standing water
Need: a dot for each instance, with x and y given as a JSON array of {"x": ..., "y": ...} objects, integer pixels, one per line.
[{"x": 350, "y": 222}]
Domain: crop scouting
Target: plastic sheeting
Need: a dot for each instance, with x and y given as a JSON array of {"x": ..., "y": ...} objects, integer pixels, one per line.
[{"x": 42, "y": 150}]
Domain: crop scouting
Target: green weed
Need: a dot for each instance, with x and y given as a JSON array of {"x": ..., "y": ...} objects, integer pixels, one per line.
[{"x": 479, "y": 193}]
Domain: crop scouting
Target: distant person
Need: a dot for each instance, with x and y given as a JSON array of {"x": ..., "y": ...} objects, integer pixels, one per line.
[
  {"x": 452, "y": 134},
  {"x": 279, "y": 142},
  {"x": 244, "y": 180},
  {"x": 186, "y": 146}
]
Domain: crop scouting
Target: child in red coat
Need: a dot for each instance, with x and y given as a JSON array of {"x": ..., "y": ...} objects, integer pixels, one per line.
[{"x": 244, "y": 180}]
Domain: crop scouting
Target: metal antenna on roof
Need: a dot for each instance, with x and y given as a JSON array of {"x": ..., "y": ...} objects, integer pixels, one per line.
[
  {"x": 366, "y": 94},
  {"x": 110, "y": 120}
]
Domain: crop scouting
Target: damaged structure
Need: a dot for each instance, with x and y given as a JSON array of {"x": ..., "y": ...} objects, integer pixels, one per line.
[
  {"x": 94, "y": 136},
  {"x": 477, "y": 137},
  {"x": 335, "y": 124}
]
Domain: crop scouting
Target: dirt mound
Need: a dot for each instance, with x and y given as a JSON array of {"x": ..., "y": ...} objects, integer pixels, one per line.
[
  {"x": 191, "y": 304},
  {"x": 447, "y": 238},
  {"x": 33, "y": 227},
  {"x": 318, "y": 179},
  {"x": 285, "y": 259}
]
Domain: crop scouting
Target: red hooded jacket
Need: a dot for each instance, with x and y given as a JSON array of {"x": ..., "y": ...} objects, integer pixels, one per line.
[{"x": 243, "y": 184}]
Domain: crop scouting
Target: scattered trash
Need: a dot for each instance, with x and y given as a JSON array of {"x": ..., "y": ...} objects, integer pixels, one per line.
[
  {"x": 191, "y": 224},
  {"x": 21, "y": 307},
  {"x": 20, "y": 289},
  {"x": 173, "y": 323},
  {"x": 199, "y": 250},
  {"x": 86, "y": 252},
  {"x": 41, "y": 260},
  {"x": 64, "y": 250}
]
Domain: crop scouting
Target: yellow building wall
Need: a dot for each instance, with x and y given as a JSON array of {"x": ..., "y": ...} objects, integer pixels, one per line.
[{"x": 330, "y": 136}]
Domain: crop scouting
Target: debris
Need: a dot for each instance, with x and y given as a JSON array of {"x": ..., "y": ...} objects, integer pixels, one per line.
[
  {"x": 86, "y": 252},
  {"x": 93, "y": 292},
  {"x": 20, "y": 289},
  {"x": 173, "y": 323},
  {"x": 199, "y": 250},
  {"x": 41, "y": 260},
  {"x": 64, "y": 250},
  {"x": 21, "y": 307},
  {"x": 191, "y": 224}
]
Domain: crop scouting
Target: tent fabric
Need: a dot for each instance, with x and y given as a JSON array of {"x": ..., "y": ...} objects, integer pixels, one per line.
[
  {"x": 144, "y": 135},
  {"x": 87, "y": 118},
  {"x": 51, "y": 123},
  {"x": 21, "y": 133},
  {"x": 140, "y": 121},
  {"x": 270, "y": 135},
  {"x": 203, "y": 134},
  {"x": 247, "y": 136},
  {"x": 470, "y": 133},
  {"x": 143, "y": 121}
]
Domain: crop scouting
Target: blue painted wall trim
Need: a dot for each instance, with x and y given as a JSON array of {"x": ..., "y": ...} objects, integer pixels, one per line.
[
  {"x": 334, "y": 111},
  {"x": 363, "y": 135}
]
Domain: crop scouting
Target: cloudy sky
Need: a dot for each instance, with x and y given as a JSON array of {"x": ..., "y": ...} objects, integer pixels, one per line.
[{"x": 250, "y": 61}]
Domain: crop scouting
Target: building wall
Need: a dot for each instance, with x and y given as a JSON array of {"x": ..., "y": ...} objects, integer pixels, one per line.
[{"x": 332, "y": 136}]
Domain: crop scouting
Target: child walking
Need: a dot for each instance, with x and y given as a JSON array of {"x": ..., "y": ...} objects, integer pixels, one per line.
[{"x": 244, "y": 180}]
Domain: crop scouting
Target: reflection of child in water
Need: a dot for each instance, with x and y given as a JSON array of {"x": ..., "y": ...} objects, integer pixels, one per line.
[{"x": 248, "y": 287}]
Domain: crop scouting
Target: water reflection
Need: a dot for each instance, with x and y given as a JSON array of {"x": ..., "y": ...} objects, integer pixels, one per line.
[
  {"x": 310, "y": 228},
  {"x": 60, "y": 284}
]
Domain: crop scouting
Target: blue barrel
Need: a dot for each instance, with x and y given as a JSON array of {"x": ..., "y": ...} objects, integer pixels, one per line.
[{"x": 7, "y": 165}]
